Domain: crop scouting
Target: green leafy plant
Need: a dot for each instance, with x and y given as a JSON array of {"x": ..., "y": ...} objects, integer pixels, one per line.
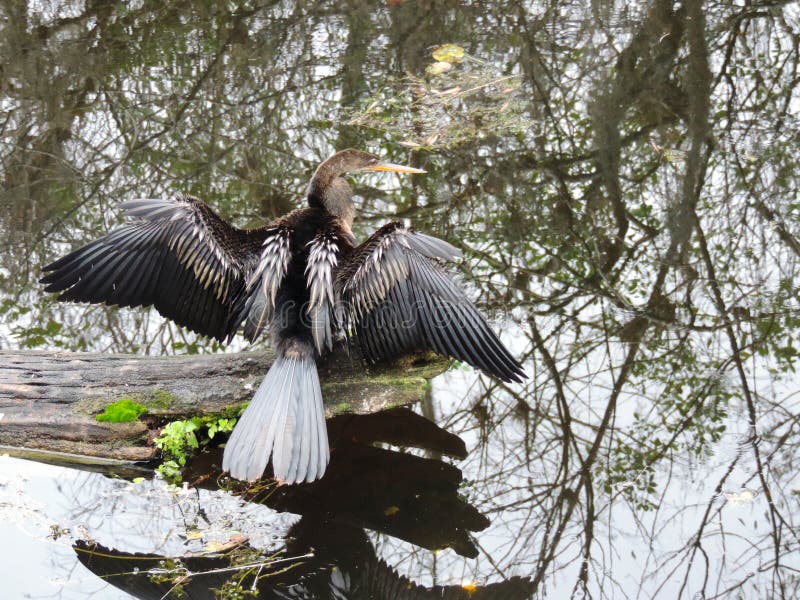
[
  {"x": 223, "y": 425},
  {"x": 179, "y": 440}
]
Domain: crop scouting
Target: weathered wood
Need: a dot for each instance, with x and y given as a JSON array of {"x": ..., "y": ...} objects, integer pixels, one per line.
[{"x": 49, "y": 400}]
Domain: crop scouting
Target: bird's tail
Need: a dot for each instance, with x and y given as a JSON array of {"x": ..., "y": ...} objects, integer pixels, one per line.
[{"x": 285, "y": 420}]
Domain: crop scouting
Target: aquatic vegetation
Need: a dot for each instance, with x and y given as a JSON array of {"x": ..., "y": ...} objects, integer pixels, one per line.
[{"x": 179, "y": 440}]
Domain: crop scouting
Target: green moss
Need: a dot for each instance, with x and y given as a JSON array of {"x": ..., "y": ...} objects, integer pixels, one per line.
[
  {"x": 341, "y": 408},
  {"x": 156, "y": 402},
  {"x": 234, "y": 411},
  {"x": 405, "y": 383},
  {"x": 161, "y": 400},
  {"x": 124, "y": 410}
]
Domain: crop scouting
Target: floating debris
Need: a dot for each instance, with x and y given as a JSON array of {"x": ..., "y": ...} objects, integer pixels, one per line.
[
  {"x": 448, "y": 53},
  {"x": 740, "y": 498},
  {"x": 460, "y": 99}
]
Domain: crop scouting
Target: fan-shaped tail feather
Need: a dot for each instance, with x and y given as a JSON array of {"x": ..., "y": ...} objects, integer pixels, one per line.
[{"x": 285, "y": 420}]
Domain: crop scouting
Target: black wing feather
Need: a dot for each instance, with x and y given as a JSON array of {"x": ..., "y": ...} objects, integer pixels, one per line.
[
  {"x": 177, "y": 254},
  {"x": 398, "y": 298}
]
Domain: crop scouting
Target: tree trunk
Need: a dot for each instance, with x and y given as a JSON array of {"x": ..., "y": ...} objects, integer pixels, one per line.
[{"x": 49, "y": 400}]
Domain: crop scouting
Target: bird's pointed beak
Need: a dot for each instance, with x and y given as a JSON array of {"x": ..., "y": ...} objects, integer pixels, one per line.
[{"x": 393, "y": 168}]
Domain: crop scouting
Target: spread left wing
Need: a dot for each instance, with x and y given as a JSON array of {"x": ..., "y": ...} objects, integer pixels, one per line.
[
  {"x": 176, "y": 254},
  {"x": 397, "y": 298}
]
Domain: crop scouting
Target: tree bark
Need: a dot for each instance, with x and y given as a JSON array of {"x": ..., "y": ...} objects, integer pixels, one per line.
[{"x": 49, "y": 400}]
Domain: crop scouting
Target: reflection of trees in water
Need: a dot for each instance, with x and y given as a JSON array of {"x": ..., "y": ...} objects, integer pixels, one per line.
[
  {"x": 321, "y": 550},
  {"x": 642, "y": 231}
]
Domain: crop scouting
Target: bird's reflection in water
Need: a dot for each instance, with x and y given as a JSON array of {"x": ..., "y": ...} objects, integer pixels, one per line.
[{"x": 327, "y": 553}]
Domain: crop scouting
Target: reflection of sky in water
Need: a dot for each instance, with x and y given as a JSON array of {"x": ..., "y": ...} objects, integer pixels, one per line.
[
  {"x": 533, "y": 207},
  {"x": 640, "y": 549},
  {"x": 141, "y": 517},
  {"x": 636, "y": 550}
]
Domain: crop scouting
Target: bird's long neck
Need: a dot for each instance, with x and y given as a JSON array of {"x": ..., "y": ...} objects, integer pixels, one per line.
[{"x": 333, "y": 193}]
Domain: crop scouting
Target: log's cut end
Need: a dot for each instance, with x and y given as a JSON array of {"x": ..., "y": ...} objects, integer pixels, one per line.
[{"x": 50, "y": 401}]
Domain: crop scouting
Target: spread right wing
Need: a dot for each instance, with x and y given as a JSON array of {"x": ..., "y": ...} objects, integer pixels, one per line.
[{"x": 397, "y": 298}]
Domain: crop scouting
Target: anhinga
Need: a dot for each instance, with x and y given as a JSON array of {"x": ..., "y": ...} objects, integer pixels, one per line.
[{"x": 304, "y": 279}]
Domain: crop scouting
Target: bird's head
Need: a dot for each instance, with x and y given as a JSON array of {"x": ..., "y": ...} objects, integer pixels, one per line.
[
  {"x": 354, "y": 161},
  {"x": 328, "y": 188}
]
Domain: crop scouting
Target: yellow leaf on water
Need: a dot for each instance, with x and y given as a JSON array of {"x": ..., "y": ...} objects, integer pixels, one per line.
[
  {"x": 391, "y": 511},
  {"x": 215, "y": 547},
  {"x": 438, "y": 68},
  {"x": 448, "y": 52}
]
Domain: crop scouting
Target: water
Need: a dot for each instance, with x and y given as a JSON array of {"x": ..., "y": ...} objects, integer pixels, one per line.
[{"x": 623, "y": 182}]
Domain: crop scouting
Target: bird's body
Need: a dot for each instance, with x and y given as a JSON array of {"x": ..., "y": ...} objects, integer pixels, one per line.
[{"x": 303, "y": 279}]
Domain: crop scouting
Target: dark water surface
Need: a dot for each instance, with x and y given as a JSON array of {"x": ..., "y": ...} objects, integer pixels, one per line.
[{"x": 623, "y": 180}]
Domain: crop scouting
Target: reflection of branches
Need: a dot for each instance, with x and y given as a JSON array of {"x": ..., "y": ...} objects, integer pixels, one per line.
[
  {"x": 639, "y": 229},
  {"x": 775, "y": 516}
]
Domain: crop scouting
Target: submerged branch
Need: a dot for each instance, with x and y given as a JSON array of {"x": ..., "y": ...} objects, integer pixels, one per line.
[{"x": 49, "y": 400}]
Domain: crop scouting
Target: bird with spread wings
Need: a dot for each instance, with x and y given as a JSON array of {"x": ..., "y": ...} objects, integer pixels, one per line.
[{"x": 304, "y": 279}]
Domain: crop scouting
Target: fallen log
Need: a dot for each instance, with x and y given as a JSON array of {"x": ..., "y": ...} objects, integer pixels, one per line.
[{"x": 49, "y": 401}]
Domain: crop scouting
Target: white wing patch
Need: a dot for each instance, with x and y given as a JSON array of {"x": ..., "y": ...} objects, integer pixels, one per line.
[
  {"x": 263, "y": 284},
  {"x": 385, "y": 266},
  {"x": 320, "y": 267}
]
